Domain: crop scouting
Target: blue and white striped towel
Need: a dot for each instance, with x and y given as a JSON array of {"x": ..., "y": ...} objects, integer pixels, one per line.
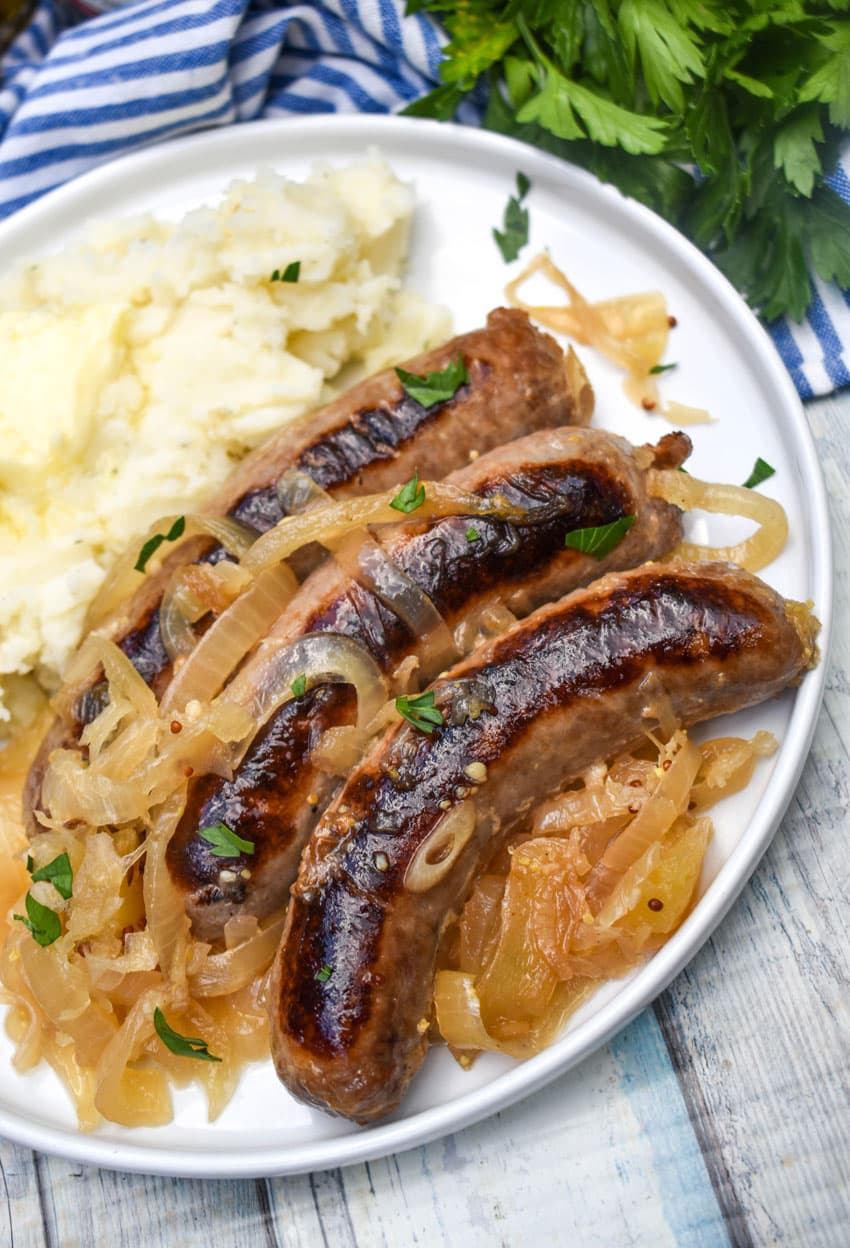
[{"x": 75, "y": 95}]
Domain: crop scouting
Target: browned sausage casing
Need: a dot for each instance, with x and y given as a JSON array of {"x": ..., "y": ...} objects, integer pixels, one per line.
[
  {"x": 353, "y": 977},
  {"x": 367, "y": 440},
  {"x": 575, "y": 479}
]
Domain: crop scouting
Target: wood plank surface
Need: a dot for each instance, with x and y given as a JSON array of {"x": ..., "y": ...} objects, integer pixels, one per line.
[{"x": 721, "y": 1116}]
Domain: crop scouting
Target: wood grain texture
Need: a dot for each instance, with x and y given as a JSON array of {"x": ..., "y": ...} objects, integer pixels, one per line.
[
  {"x": 758, "y": 1025},
  {"x": 720, "y": 1117}
]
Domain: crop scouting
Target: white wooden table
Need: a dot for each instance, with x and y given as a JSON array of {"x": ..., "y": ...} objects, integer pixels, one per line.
[{"x": 721, "y": 1116}]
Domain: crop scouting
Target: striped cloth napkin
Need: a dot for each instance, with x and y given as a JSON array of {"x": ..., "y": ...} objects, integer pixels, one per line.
[{"x": 73, "y": 95}]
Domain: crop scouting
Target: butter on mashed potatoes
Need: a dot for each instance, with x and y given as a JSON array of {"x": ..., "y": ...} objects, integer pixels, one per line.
[{"x": 141, "y": 364}]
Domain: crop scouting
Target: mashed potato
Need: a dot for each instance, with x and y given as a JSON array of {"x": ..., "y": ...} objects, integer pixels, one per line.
[{"x": 140, "y": 365}]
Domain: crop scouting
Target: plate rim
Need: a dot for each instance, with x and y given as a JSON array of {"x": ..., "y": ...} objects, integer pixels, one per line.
[{"x": 530, "y": 1076}]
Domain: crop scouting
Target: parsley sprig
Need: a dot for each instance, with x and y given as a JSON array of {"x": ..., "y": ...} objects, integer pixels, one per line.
[
  {"x": 291, "y": 273},
  {"x": 58, "y": 873},
  {"x": 601, "y": 539},
  {"x": 724, "y": 118},
  {"x": 761, "y": 471},
  {"x": 223, "y": 842},
  {"x": 182, "y": 1046},
  {"x": 44, "y": 923},
  {"x": 153, "y": 544},
  {"x": 410, "y": 497},
  {"x": 420, "y": 711},
  {"x": 514, "y": 235},
  {"x": 436, "y": 387}
]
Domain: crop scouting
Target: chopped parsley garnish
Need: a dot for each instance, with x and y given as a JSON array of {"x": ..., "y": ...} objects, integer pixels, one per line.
[
  {"x": 44, "y": 923},
  {"x": 761, "y": 471},
  {"x": 410, "y": 496},
  {"x": 420, "y": 711},
  {"x": 299, "y": 686},
  {"x": 224, "y": 842},
  {"x": 153, "y": 544},
  {"x": 182, "y": 1046},
  {"x": 512, "y": 238},
  {"x": 661, "y": 368},
  {"x": 600, "y": 540},
  {"x": 472, "y": 534},
  {"x": 58, "y": 873},
  {"x": 435, "y": 387},
  {"x": 291, "y": 273},
  {"x": 324, "y": 974}
]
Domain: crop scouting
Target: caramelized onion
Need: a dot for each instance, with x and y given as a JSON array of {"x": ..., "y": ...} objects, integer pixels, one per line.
[
  {"x": 753, "y": 553},
  {"x": 488, "y": 620},
  {"x": 131, "y": 1095},
  {"x": 680, "y": 762},
  {"x": 123, "y": 580},
  {"x": 333, "y": 521},
  {"x": 178, "y": 610},
  {"x": 441, "y": 848},
  {"x": 297, "y": 492},
  {"x": 224, "y": 973},
  {"x": 167, "y": 922},
  {"x": 631, "y": 331},
  {"x": 230, "y": 638}
]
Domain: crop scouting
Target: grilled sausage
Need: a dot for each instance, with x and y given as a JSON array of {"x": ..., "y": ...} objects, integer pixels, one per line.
[
  {"x": 570, "y": 479},
  {"x": 368, "y": 439},
  {"x": 353, "y": 978}
]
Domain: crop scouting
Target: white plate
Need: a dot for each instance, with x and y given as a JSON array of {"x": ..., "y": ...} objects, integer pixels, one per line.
[{"x": 609, "y": 245}]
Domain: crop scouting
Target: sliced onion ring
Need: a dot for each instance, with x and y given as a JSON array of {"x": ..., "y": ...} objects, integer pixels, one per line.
[
  {"x": 264, "y": 684},
  {"x": 754, "y": 552},
  {"x": 236, "y": 631},
  {"x": 222, "y": 973},
  {"x": 297, "y": 493},
  {"x": 441, "y": 848}
]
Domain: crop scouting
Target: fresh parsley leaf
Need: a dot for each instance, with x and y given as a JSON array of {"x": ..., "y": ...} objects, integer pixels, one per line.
[
  {"x": 523, "y": 186},
  {"x": 760, "y": 89},
  {"x": 324, "y": 974},
  {"x": 828, "y": 228},
  {"x": 514, "y": 236},
  {"x": 299, "y": 686},
  {"x": 661, "y": 368},
  {"x": 420, "y": 711},
  {"x": 153, "y": 544},
  {"x": 472, "y": 534},
  {"x": 830, "y": 83},
  {"x": 442, "y": 103},
  {"x": 58, "y": 873},
  {"x": 794, "y": 150},
  {"x": 668, "y": 52},
  {"x": 291, "y": 273},
  {"x": 410, "y": 497},
  {"x": 600, "y": 540},
  {"x": 437, "y": 387},
  {"x": 182, "y": 1046},
  {"x": 761, "y": 471},
  {"x": 224, "y": 842},
  {"x": 44, "y": 923}
]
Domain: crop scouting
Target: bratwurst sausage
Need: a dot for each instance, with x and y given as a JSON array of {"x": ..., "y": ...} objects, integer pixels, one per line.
[
  {"x": 568, "y": 479},
  {"x": 367, "y": 440},
  {"x": 352, "y": 985}
]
